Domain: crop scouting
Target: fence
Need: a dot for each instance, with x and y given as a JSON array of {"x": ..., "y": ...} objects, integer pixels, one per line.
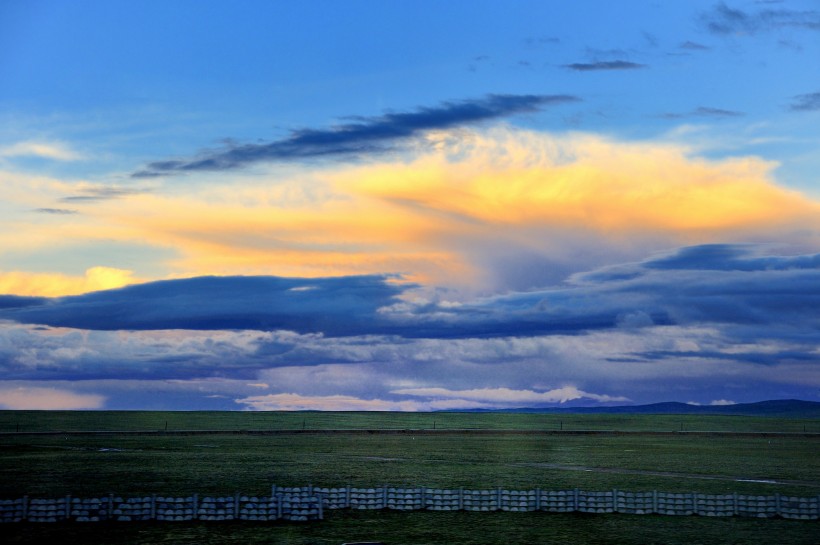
[
  {"x": 299, "y": 506},
  {"x": 309, "y": 503},
  {"x": 565, "y": 501}
]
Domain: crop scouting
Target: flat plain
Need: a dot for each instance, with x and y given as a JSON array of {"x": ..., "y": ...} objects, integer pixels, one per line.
[{"x": 179, "y": 455}]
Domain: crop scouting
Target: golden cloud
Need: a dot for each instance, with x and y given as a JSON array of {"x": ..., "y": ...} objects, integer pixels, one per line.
[{"x": 436, "y": 214}]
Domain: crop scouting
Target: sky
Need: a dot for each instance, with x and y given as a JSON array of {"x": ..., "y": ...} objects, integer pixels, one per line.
[{"x": 408, "y": 205}]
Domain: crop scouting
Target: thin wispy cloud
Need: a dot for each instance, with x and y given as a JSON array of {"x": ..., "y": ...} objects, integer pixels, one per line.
[
  {"x": 808, "y": 102},
  {"x": 56, "y": 211},
  {"x": 604, "y": 65},
  {"x": 366, "y": 136},
  {"x": 694, "y": 46},
  {"x": 724, "y": 20},
  {"x": 55, "y": 151},
  {"x": 706, "y": 112},
  {"x": 103, "y": 193}
]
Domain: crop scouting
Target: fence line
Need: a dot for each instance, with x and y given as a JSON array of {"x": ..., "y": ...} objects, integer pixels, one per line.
[
  {"x": 309, "y": 503},
  {"x": 298, "y": 507},
  {"x": 564, "y": 501}
]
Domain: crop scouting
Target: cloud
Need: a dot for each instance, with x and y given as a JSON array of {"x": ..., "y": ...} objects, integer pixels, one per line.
[
  {"x": 55, "y": 284},
  {"x": 334, "y": 306},
  {"x": 103, "y": 193},
  {"x": 52, "y": 399},
  {"x": 296, "y": 402},
  {"x": 721, "y": 402},
  {"x": 56, "y": 211},
  {"x": 724, "y": 20},
  {"x": 705, "y": 111},
  {"x": 806, "y": 103},
  {"x": 368, "y": 135},
  {"x": 711, "y": 284},
  {"x": 55, "y": 151},
  {"x": 604, "y": 65},
  {"x": 475, "y": 210},
  {"x": 500, "y": 397},
  {"x": 694, "y": 46}
]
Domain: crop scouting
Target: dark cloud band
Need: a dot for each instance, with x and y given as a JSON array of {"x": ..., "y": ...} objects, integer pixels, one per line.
[
  {"x": 604, "y": 65},
  {"x": 724, "y": 20},
  {"x": 715, "y": 284},
  {"x": 366, "y": 135},
  {"x": 806, "y": 103}
]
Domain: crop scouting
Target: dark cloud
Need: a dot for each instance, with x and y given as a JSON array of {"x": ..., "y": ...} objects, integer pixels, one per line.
[
  {"x": 806, "y": 103},
  {"x": 725, "y": 20},
  {"x": 694, "y": 46},
  {"x": 650, "y": 38},
  {"x": 366, "y": 135},
  {"x": 704, "y": 111},
  {"x": 17, "y": 301},
  {"x": 730, "y": 257},
  {"x": 542, "y": 40},
  {"x": 711, "y": 284},
  {"x": 333, "y": 306},
  {"x": 55, "y": 211},
  {"x": 103, "y": 193},
  {"x": 604, "y": 65},
  {"x": 694, "y": 319}
]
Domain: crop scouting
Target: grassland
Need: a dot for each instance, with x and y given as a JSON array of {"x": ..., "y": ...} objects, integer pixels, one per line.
[
  {"x": 39, "y": 421},
  {"x": 87, "y": 465}
]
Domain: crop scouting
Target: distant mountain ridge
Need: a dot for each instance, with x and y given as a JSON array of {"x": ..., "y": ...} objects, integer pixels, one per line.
[{"x": 792, "y": 408}]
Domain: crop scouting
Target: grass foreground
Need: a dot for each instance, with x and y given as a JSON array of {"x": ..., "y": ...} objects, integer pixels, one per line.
[{"x": 55, "y": 465}]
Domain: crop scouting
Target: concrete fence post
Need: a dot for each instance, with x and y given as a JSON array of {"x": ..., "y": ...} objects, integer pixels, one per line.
[
  {"x": 278, "y": 506},
  {"x": 777, "y": 504},
  {"x": 384, "y": 497},
  {"x": 423, "y": 497},
  {"x": 111, "y": 506},
  {"x": 153, "y": 506},
  {"x": 575, "y": 499},
  {"x": 196, "y": 506},
  {"x": 734, "y": 504},
  {"x": 614, "y": 500},
  {"x": 694, "y": 503},
  {"x": 498, "y": 497},
  {"x": 537, "y": 499},
  {"x": 236, "y": 506},
  {"x": 818, "y": 506},
  {"x": 25, "y": 507},
  {"x": 654, "y": 501},
  {"x": 68, "y": 507},
  {"x": 321, "y": 509},
  {"x": 461, "y": 499},
  {"x": 347, "y": 496}
]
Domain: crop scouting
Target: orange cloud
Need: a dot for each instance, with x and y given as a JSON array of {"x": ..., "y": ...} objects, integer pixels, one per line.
[
  {"x": 588, "y": 182},
  {"x": 438, "y": 215},
  {"x": 55, "y": 284}
]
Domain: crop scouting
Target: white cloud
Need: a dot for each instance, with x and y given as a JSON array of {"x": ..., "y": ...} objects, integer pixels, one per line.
[
  {"x": 507, "y": 396},
  {"x": 35, "y": 398},
  {"x": 47, "y": 150},
  {"x": 721, "y": 402},
  {"x": 296, "y": 402}
]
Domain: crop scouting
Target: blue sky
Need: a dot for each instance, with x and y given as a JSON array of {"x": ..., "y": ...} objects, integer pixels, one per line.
[{"x": 408, "y": 205}]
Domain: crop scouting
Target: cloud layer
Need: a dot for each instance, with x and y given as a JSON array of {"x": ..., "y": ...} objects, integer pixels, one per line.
[
  {"x": 366, "y": 136},
  {"x": 669, "y": 326}
]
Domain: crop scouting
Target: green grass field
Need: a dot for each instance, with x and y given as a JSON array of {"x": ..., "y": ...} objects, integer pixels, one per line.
[
  {"x": 55, "y": 465},
  {"x": 34, "y": 421}
]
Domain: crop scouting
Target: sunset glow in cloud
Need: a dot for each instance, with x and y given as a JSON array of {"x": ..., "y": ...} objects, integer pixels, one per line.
[{"x": 531, "y": 207}]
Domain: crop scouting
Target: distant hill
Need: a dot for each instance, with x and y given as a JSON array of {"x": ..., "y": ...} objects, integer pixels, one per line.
[{"x": 790, "y": 408}]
